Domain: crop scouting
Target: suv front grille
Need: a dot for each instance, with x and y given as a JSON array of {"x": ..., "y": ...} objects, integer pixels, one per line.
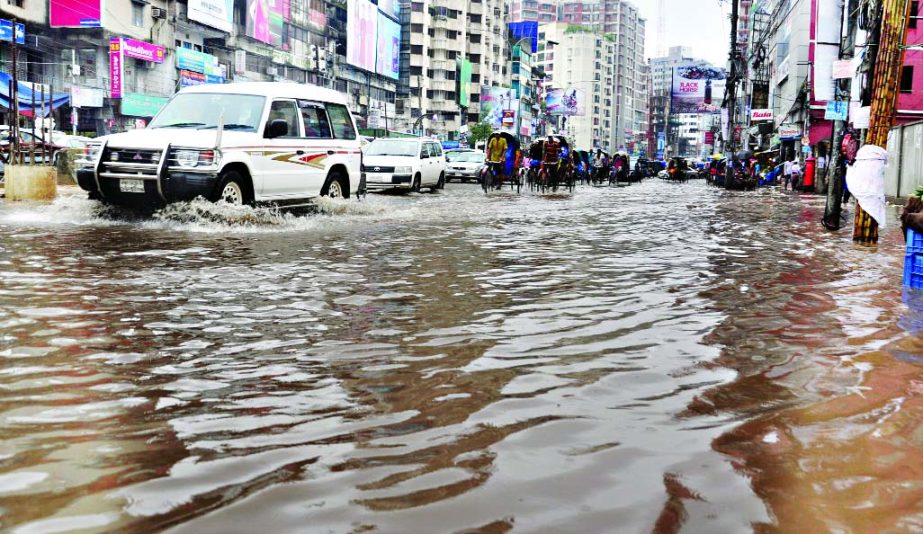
[{"x": 130, "y": 163}]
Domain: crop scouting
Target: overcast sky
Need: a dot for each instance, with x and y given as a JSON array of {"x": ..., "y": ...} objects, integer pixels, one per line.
[{"x": 700, "y": 24}]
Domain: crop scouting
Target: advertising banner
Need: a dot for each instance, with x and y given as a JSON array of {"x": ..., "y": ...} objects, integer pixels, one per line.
[
  {"x": 10, "y": 31},
  {"x": 789, "y": 131},
  {"x": 861, "y": 117},
  {"x": 85, "y": 97},
  {"x": 391, "y": 8},
  {"x": 140, "y": 50},
  {"x": 570, "y": 102},
  {"x": 498, "y": 107},
  {"x": 389, "y": 48},
  {"x": 761, "y": 115},
  {"x": 464, "y": 68},
  {"x": 362, "y": 34},
  {"x": 843, "y": 69},
  {"x": 218, "y": 14},
  {"x": 697, "y": 89},
  {"x": 188, "y": 78},
  {"x": 6, "y": 30},
  {"x": 836, "y": 111},
  {"x": 75, "y": 14},
  {"x": 240, "y": 61},
  {"x": 135, "y": 105},
  {"x": 115, "y": 67},
  {"x": 266, "y": 20},
  {"x": 196, "y": 61}
]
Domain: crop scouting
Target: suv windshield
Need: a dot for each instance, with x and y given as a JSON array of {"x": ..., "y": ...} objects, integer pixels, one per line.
[
  {"x": 393, "y": 147},
  {"x": 203, "y": 110}
]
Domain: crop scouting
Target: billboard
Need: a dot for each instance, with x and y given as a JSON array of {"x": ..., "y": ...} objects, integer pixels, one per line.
[
  {"x": 392, "y": 8},
  {"x": 75, "y": 14},
  {"x": 361, "y": 28},
  {"x": 697, "y": 89},
  {"x": 499, "y": 108},
  {"x": 218, "y": 14},
  {"x": 464, "y": 82},
  {"x": 389, "y": 48},
  {"x": 266, "y": 20},
  {"x": 570, "y": 102}
]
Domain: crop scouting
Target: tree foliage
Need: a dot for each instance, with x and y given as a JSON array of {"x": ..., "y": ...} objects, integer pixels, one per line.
[{"x": 479, "y": 132}]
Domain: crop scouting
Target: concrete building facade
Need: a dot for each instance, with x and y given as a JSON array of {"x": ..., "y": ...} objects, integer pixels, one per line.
[
  {"x": 579, "y": 58},
  {"x": 436, "y": 33},
  {"x": 311, "y": 48}
]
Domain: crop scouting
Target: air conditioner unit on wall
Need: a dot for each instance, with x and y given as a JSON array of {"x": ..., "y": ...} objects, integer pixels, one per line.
[{"x": 158, "y": 13}]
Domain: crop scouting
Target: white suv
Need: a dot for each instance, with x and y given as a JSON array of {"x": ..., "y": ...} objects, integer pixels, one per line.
[
  {"x": 243, "y": 143},
  {"x": 404, "y": 164}
]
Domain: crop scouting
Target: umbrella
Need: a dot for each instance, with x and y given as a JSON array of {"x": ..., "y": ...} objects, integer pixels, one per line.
[
  {"x": 718, "y": 157},
  {"x": 744, "y": 154}
]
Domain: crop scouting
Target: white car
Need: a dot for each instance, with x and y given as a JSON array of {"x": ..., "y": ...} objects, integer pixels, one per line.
[
  {"x": 242, "y": 143},
  {"x": 404, "y": 164},
  {"x": 464, "y": 165}
]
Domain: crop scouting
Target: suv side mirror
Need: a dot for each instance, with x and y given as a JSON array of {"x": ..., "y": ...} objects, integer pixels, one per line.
[{"x": 277, "y": 128}]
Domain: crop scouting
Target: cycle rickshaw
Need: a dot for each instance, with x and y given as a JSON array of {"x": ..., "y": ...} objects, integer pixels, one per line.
[
  {"x": 582, "y": 161},
  {"x": 563, "y": 173},
  {"x": 496, "y": 174}
]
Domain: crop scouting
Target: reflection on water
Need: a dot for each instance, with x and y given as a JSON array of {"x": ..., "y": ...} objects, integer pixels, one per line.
[{"x": 648, "y": 358}]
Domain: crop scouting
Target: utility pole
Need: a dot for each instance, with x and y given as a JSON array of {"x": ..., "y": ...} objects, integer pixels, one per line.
[
  {"x": 734, "y": 57},
  {"x": 836, "y": 167},
  {"x": 15, "y": 158},
  {"x": 888, "y": 58}
]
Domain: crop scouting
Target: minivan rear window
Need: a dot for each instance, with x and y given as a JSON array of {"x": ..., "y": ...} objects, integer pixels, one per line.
[{"x": 341, "y": 122}]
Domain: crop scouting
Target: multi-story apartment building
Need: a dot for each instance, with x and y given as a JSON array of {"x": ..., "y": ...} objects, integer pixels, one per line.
[
  {"x": 622, "y": 19},
  {"x": 163, "y": 45},
  {"x": 582, "y": 60},
  {"x": 541, "y": 11},
  {"x": 436, "y": 33},
  {"x": 609, "y": 68}
]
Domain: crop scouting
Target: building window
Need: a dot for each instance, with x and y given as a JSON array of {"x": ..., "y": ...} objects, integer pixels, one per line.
[
  {"x": 15, "y": 3},
  {"x": 914, "y": 13},
  {"x": 907, "y": 79},
  {"x": 137, "y": 14}
]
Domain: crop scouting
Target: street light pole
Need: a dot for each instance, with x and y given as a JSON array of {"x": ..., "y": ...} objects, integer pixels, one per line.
[{"x": 732, "y": 98}]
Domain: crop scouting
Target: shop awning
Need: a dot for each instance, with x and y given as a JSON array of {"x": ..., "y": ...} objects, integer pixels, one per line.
[{"x": 24, "y": 95}]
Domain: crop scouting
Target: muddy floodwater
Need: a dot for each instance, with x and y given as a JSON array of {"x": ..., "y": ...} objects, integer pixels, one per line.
[{"x": 655, "y": 358}]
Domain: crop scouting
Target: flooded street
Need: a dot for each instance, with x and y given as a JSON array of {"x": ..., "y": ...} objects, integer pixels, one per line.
[{"x": 659, "y": 357}]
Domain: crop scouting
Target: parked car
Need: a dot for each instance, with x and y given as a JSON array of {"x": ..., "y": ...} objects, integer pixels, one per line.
[
  {"x": 242, "y": 143},
  {"x": 27, "y": 144},
  {"x": 68, "y": 144},
  {"x": 404, "y": 164},
  {"x": 464, "y": 165}
]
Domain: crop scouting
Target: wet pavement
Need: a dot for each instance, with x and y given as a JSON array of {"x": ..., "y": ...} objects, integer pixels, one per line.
[{"x": 662, "y": 357}]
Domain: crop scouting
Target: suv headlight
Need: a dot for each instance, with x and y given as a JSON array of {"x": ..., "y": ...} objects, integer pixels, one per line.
[
  {"x": 187, "y": 158},
  {"x": 196, "y": 158},
  {"x": 403, "y": 170}
]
